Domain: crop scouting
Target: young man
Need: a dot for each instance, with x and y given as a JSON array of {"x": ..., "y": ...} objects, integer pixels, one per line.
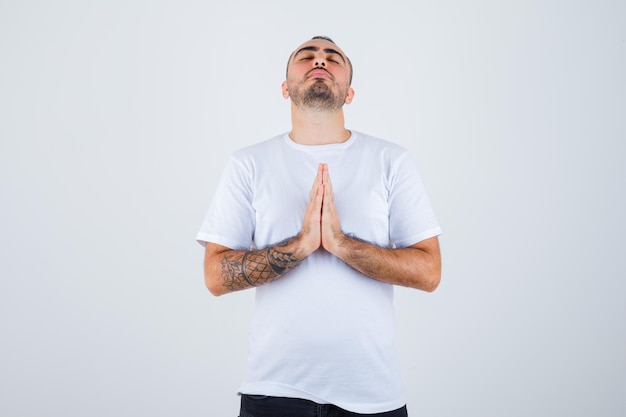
[{"x": 324, "y": 258}]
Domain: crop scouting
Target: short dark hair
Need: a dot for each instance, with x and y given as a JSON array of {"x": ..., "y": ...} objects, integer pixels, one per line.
[{"x": 325, "y": 38}]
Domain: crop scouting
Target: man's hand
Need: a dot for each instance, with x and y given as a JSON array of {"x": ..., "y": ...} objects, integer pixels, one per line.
[
  {"x": 320, "y": 226},
  {"x": 310, "y": 237},
  {"x": 332, "y": 236}
]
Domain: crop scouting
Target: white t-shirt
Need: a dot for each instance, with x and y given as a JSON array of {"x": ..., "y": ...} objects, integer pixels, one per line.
[{"x": 323, "y": 331}]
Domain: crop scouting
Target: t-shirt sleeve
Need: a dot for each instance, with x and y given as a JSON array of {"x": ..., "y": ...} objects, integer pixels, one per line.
[
  {"x": 230, "y": 219},
  {"x": 411, "y": 217}
]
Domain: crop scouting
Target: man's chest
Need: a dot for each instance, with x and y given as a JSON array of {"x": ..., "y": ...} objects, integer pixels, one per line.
[{"x": 360, "y": 195}]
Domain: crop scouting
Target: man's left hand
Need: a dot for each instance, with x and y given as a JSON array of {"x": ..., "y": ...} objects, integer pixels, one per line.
[{"x": 332, "y": 236}]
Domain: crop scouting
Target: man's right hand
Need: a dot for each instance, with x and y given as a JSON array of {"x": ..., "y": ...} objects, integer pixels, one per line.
[{"x": 310, "y": 238}]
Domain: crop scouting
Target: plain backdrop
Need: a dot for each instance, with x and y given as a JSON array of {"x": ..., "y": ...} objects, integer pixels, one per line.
[{"x": 116, "y": 118}]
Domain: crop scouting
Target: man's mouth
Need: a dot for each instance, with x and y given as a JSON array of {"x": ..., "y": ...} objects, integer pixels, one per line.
[{"x": 319, "y": 73}]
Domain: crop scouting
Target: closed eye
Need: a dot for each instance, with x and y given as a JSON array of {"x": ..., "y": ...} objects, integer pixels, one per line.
[{"x": 332, "y": 54}]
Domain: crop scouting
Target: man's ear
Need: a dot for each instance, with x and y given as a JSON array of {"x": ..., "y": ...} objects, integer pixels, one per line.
[
  {"x": 350, "y": 96},
  {"x": 284, "y": 89}
]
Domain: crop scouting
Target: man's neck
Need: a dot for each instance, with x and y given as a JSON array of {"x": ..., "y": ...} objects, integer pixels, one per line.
[{"x": 317, "y": 128}]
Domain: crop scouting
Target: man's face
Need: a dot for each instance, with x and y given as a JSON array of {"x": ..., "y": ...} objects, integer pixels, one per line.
[{"x": 318, "y": 76}]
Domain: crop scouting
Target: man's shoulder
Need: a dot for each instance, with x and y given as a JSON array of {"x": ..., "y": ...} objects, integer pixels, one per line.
[
  {"x": 259, "y": 147},
  {"x": 377, "y": 144}
]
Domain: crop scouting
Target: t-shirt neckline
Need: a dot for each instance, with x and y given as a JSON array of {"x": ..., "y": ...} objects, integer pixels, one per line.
[{"x": 330, "y": 146}]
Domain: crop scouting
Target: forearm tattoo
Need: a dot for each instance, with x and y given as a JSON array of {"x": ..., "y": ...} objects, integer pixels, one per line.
[{"x": 254, "y": 268}]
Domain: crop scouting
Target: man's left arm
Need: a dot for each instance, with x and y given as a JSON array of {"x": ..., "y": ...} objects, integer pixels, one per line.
[{"x": 416, "y": 266}]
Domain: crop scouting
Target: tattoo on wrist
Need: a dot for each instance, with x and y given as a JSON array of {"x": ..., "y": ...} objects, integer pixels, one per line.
[
  {"x": 280, "y": 262},
  {"x": 255, "y": 268}
]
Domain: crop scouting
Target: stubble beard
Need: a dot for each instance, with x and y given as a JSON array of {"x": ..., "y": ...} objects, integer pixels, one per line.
[{"x": 319, "y": 97}]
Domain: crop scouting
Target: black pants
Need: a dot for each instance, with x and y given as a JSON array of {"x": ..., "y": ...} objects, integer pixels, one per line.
[{"x": 264, "y": 406}]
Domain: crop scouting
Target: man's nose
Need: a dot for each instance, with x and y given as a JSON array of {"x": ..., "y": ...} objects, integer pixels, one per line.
[{"x": 320, "y": 61}]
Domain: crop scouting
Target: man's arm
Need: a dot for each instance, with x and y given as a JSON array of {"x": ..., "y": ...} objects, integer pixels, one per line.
[
  {"x": 227, "y": 270},
  {"x": 417, "y": 266}
]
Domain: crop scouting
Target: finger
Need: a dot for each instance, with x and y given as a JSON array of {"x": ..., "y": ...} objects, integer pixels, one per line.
[
  {"x": 329, "y": 199},
  {"x": 326, "y": 203},
  {"x": 314, "y": 208},
  {"x": 327, "y": 182},
  {"x": 315, "y": 189}
]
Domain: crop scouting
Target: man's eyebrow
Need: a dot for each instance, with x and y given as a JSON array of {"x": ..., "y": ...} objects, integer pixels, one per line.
[
  {"x": 334, "y": 51},
  {"x": 307, "y": 48},
  {"x": 316, "y": 48}
]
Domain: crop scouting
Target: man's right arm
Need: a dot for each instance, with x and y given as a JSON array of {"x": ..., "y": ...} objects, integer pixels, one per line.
[{"x": 227, "y": 270}]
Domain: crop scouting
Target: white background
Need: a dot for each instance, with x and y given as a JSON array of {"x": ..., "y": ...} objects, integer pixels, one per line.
[{"x": 116, "y": 118}]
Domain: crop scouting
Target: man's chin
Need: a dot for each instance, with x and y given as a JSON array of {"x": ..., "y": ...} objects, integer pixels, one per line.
[
  {"x": 321, "y": 105},
  {"x": 319, "y": 84}
]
